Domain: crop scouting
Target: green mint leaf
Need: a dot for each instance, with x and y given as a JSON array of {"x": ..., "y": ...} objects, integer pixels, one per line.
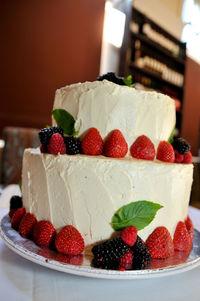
[
  {"x": 64, "y": 120},
  {"x": 128, "y": 81},
  {"x": 20, "y": 185},
  {"x": 171, "y": 137},
  {"x": 138, "y": 214}
]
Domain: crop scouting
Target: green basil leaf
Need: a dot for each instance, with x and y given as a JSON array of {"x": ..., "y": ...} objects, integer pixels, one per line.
[
  {"x": 170, "y": 140},
  {"x": 64, "y": 120},
  {"x": 138, "y": 214}
]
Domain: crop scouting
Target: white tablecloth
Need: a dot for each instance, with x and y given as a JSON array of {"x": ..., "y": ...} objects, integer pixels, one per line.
[{"x": 22, "y": 280}]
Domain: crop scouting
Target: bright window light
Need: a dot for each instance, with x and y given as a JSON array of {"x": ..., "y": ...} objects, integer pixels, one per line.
[{"x": 114, "y": 24}]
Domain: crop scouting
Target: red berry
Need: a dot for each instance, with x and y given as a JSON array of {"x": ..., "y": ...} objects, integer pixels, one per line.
[
  {"x": 160, "y": 243},
  {"x": 165, "y": 152},
  {"x": 187, "y": 158},
  {"x": 11, "y": 212},
  {"x": 69, "y": 241},
  {"x": 43, "y": 233},
  {"x": 26, "y": 225},
  {"x": 16, "y": 218},
  {"x": 143, "y": 148},
  {"x": 182, "y": 240},
  {"x": 42, "y": 149},
  {"x": 56, "y": 145},
  {"x": 115, "y": 145},
  {"x": 178, "y": 157},
  {"x": 92, "y": 143},
  {"x": 190, "y": 227},
  {"x": 129, "y": 235},
  {"x": 126, "y": 260}
]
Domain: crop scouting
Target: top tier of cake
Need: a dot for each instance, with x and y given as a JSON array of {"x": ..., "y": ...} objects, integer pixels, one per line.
[{"x": 107, "y": 106}]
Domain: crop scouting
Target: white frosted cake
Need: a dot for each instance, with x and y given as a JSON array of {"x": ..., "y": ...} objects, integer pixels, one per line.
[{"x": 85, "y": 191}]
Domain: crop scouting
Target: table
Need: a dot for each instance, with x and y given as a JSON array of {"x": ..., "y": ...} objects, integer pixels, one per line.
[{"x": 21, "y": 280}]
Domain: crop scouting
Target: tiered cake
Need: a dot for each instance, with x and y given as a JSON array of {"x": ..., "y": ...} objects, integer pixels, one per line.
[{"x": 85, "y": 191}]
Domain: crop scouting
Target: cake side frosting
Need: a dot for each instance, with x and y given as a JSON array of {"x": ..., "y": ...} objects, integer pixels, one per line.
[
  {"x": 86, "y": 191},
  {"x": 108, "y": 106}
]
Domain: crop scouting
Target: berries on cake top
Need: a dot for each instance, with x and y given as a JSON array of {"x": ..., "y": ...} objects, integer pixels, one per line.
[
  {"x": 110, "y": 76},
  {"x": 181, "y": 145},
  {"x": 56, "y": 145},
  {"x": 165, "y": 152},
  {"x": 115, "y": 145},
  {"x": 46, "y": 133},
  {"x": 73, "y": 145},
  {"x": 92, "y": 143},
  {"x": 143, "y": 148}
]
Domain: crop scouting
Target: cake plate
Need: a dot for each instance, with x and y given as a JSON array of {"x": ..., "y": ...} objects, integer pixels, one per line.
[{"x": 81, "y": 264}]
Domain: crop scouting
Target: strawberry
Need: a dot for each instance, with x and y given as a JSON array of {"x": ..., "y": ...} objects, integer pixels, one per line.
[
  {"x": 43, "y": 233},
  {"x": 16, "y": 218},
  {"x": 126, "y": 260},
  {"x": 11, "y": 212},
  {"x": 26, "y": 225},
  {"x": 115, "y": 145},
  {"x": 143, "y": 148},
  {"x": 187, "y": 158},
  {"x": 92, "y": 143},
  {"x": 165, "y": 152},
  {"x": 56, "y": 145},
  {"x": 69, "y": 241},
  {"x": 178, "y": 157},
  {"x": 190, "y": 227},
  {"x": 160, "y": 243},
  {"x": 129, "y": 235},
  {"x": 182, "y": 240}
]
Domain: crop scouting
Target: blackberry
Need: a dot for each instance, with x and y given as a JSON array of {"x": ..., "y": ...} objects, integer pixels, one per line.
[
  {"x": 46, "y": 133},
  {"x": 109, "y": 251},
  {"x": 181, "y": 146},
  {"x": 15, "y": 202},
  {"x": 111, "y": 265},
  {"x": 110, "y": 76},
  {"x": 73, "y": 145},
  {"x": 141, "y": 255}
]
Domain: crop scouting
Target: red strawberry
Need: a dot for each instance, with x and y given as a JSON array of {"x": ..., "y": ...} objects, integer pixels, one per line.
[
  {"x": 92, "y": 143},
  {"x": 165, "y": 152},
  {"x": 56, "y": 145},
  {"x": 190, "y": 227},
  {"x": 16, "y": 218},
  {"x": 143, "y": 148},
  {"x": 178, "y": 157},
  {"x": 43, "y": 233},
  {"x": 187, "y": 158},
  {"x": 129, "y": 235},
  {"x": 11, "y": 212},
  {"x": 115, "y": 145},
  {"x": 26, "y": 225},
  {"x": 69, "y": 241},
  {"x": 160, "y": 243},
  {"x": 182, "y": 240},
  {"x": 126, "y": 260}
]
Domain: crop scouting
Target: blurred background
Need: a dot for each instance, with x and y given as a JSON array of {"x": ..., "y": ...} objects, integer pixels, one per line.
[{"x": 48, "y": 44}]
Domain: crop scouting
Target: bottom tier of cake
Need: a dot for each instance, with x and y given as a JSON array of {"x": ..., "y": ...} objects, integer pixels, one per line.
[{"x": 86, "y": 191}]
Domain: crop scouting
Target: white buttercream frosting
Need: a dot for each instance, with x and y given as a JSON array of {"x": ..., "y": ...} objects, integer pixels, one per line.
[
  {"x": 107, "y": 106},
  {"x": 86, "y": 191}
]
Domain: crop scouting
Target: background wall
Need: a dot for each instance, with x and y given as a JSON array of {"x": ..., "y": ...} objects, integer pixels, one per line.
[{"x": 44, "y": 46}]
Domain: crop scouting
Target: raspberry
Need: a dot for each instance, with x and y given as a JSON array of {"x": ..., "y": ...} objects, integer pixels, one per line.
[
  {"x": 26, "y": 224},
  {"x": 165, "y": 152},
  {"x": 73, "y": 145},
  {"x": 43, "y": 233},
  {"x": 182, "y": 240},
  {"x": 92, "y": 143},
  {"x": 16, "y": 218},
  {"x": 126, "y": 260},
  {"x": 160, "y": 243},
  {"x": 187, "y": 158},
  {"x": 178, "y": 157},
  {"x": 43, "y": 148},
  {"x": 129, "y": 235},
  {"x": 15, "y": 202},
  {"x": 181, "y": 146},
  {"x": 115, "y": 145},
  {"x": 69, "y": 241},
  {"x": 46, "y": 133},
  {"x": 110, "y": 76},
  {"x": 143, "y": 148},
  {"x": 142, "y": 255},
  {"x": 190, "y": 227},
  {"x": 56, "y": 145}
]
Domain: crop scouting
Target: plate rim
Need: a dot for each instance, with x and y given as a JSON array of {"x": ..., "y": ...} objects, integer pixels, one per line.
[{"x": 92, "y": 272}]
